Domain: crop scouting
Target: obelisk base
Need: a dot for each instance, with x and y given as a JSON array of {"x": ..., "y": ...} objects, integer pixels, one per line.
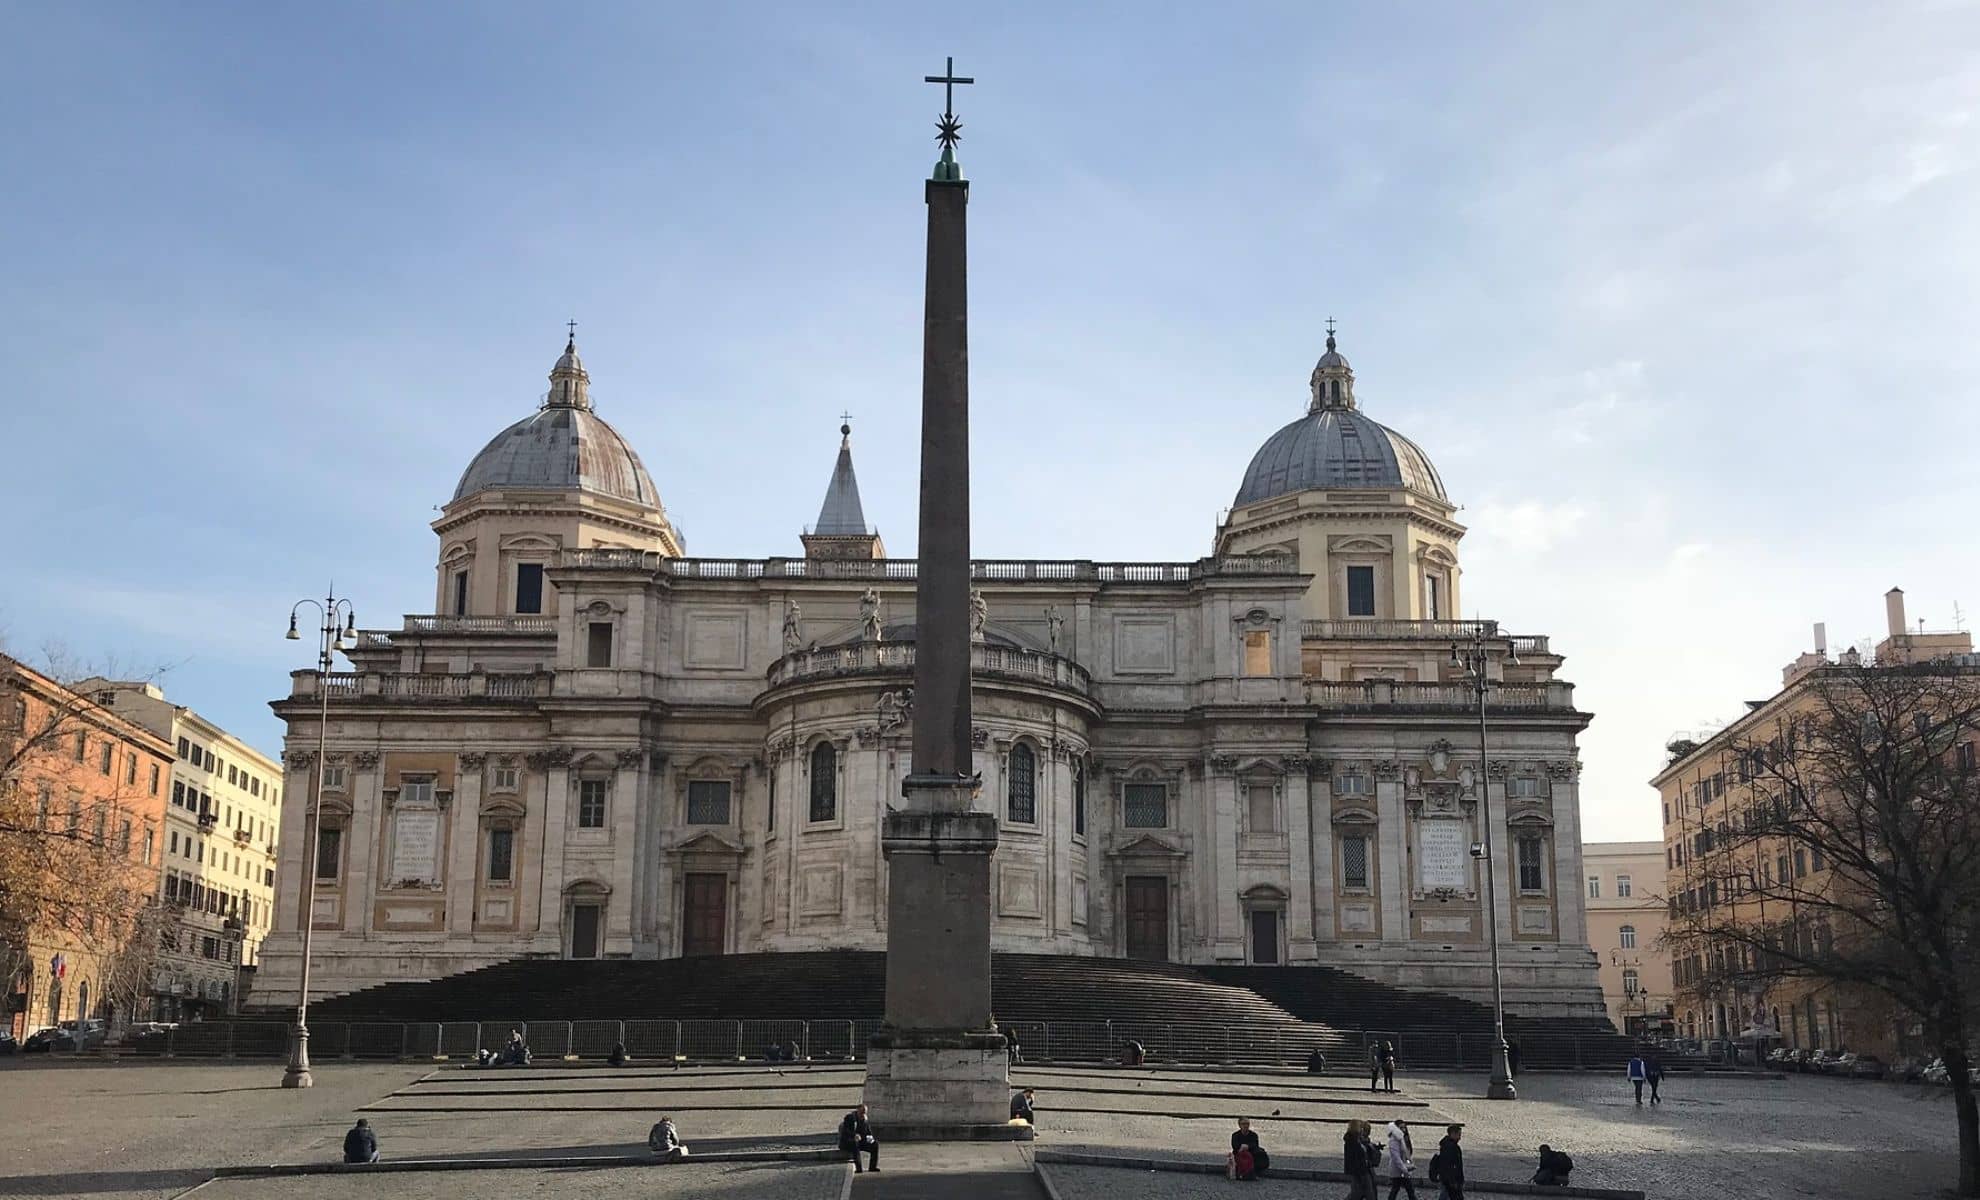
[{"x": 938, "y": 1068}]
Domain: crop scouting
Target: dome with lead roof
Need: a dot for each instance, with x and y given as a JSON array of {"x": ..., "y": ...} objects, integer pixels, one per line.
[
  {"x": 561, "y": 446},
  {"x": 1336, "y": 446}
]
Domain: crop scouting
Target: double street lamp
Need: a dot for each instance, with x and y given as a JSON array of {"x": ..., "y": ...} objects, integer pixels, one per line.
[
  {"x": 1470, "y": 660},
  {"x": 333, "y": 637}
]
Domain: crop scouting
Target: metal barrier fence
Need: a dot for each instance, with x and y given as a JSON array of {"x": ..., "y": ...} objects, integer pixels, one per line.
[{"x": 1347, "y": 1051}]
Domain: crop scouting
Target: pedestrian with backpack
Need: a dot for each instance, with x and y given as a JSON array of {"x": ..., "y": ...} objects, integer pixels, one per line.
[
  {"x": 1447, "y": 1165},
  {"x": 1638, "y": 1072}
]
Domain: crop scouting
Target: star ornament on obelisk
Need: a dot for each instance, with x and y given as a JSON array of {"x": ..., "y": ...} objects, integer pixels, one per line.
[{"x": 938, "y": 1068}]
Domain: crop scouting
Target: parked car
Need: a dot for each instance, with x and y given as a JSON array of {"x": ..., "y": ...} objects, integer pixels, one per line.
[
  {"x": 1869, "y": 1066},
  {"x": 7, "y": 1043}
]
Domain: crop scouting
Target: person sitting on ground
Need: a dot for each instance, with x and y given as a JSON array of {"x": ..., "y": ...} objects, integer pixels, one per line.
[
  {"x": 1246, "y": 1141},
  {"x": 1316, "y": 1063},
  {"x": 663, "y": 1139},
  {"x": 1401, "y": 1159},
  {"x": 516, "y": 1053},
  {"x": 1447, "y": 1166},
  {"x": 619, "y": 1058},
  {"x": 856, "y": 1135},
  {"x": 774, "y": 1052},
  {"x": 1021, "y": 1107},
  {"x": 1554, "y": 1166},
  {"x": 360, "y": 1144},
  {"x": 791, "y": 1053},
  {"x": 1133, "y": 1054}
]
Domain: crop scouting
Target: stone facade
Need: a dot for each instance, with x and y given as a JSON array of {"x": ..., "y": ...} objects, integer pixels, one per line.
[{"x": 1196, "y": 761}]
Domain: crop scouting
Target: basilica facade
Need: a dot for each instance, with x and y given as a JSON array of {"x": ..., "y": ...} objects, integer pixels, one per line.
[{"x": 600, "y": 746}]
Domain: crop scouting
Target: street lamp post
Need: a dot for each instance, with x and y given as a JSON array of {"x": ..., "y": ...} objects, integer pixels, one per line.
[
  {"x": 296, "y": 1075},
  {"x": 1471, "y": 660}
]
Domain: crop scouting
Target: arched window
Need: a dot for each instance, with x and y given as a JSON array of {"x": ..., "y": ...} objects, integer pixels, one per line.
[
  {"x": 824, "y": 782},
  {"x": 1024, "y": 785},
  {"x": 1079, "y": 796},
  {"x": 1629, "y": 937}
]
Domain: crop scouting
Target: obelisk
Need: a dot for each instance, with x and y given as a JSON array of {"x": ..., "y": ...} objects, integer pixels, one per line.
[{"x": 938, "y": 1067}]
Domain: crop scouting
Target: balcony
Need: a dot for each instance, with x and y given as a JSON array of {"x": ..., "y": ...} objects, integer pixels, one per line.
[
  {"x": 875, "y": 658},
  {"x": 511, "y": 626},
  {"x": 1374, "y": 629},
  {"x": 242, "y": 837},
  {"x": 207, "y": 820},
  {"x": 1386, "y": 695},
  {"x": 998, "y": 570},
  {"x": 492, "y": 687}
]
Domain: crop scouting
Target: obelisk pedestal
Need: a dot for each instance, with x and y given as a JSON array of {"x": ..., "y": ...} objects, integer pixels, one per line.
[{"x": 938, "y": 1068}]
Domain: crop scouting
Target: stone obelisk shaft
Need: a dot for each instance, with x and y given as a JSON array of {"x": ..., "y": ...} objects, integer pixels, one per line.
[{"x": 941, "y": 593}]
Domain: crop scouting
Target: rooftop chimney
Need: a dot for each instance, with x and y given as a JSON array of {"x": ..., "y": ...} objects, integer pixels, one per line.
[{"x": 1894, "y": 611}]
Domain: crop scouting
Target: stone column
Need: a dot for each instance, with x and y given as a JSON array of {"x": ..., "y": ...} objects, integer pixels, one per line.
[
  {"x": 464, "y": 844},
  {"x": 366, "y": 832},
  {"x": 1392, "y": 843},
  {"x": 627, "y": 788},
  {"x": 1220, "y": 876},
  {"x": 1299, "y": 845},
  {"x": 549, "y": 932},
  {"x": 937, "y": 1066}
]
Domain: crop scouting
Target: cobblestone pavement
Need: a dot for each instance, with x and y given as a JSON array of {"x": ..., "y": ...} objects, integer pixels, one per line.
[{"x": 726, "y": 1181}]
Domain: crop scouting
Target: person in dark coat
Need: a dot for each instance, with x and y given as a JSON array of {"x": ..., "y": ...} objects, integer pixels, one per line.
[
  {"x": 1247, "y": 1138},
  {"x": 1316, "y": 1063},
  {"x": 1554, "y": 1166},
  {"x": 360, "y": 1144},
  {"x": 1447, "y": 1169},
  {"x": 1358, "y": 1159},
  {"x": 1388, "y": 1065},
  {"x": 618, "y": 1058},
  {"x": 856, "y": 1135},
  {"x": 1021, "y": 1106},
  {"x": 1653, "y": 1070}
]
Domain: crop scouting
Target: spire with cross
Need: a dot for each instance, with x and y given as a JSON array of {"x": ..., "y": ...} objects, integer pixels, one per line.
[{"x": 948, "y": 129}]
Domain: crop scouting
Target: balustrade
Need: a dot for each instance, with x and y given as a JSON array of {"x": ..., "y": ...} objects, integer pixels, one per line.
[{"x": 1008, "y": 661}]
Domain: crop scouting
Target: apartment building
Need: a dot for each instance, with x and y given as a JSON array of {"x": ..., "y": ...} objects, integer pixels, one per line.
[
  {"x": 217, "y": 875},
  {"x": 1626, "y": 923}
]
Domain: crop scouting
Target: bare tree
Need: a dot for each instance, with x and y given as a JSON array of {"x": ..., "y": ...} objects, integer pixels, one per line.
[{"x": 1847, "y": 854}]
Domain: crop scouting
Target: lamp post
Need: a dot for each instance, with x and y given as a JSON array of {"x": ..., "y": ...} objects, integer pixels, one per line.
[
  {"x": 1470, "y": 660},
  {"x": 1633, "y": 993},
  {"x": 296, "y": 1075}
]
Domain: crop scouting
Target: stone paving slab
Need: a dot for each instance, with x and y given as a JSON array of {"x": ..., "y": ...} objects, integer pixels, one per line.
[
  {"x": 950, "y": 1171},
  {"x": 726, "y": 1181}
]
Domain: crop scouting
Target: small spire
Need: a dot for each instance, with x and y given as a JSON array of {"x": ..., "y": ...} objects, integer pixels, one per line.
[
  {"x": 842, "y": 515},
  {"x": 1332, "y": 382}
]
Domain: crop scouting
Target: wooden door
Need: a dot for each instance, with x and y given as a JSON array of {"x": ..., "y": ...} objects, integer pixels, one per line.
[
  {"x": 1148, "y": 917},
  {"x": 704, "y": 914},
  {"x": 584, "y": 931},
  {"x": 1265, "y": 936}
]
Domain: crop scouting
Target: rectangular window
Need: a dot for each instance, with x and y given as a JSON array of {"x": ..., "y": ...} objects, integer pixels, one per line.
[
  {"x": 179, "y": 792},
  {"x": 1361, "y": 591},
  {"x": 1532, "y": 865},
  {"x": 1800, "y": 862},
  {"x": 1354, "y": 862},
  {"x": 1622, "y": 887},
  {"x": 1258, "y": 652},
  {"x": 154, "y": 779},
  {"x": 708, "y": 802},
  {"x": 505, "y": 779},
  {"x": 130, "y": 770},
  {"x": 329, "y": 852},
  {"x": 175, "y": 841},
  {"x": 1964, "y": 756},
  {"x": 529, "y": 587},
  {"x": 1262, "y": 808},
  {"x": 254, "y": 786},
  {"x": 1352, "y": 783},
  {"x": 598, "y": 644},
  {"x": 1816, "y": 859},
  {"x": 333, "y": 777},
  {"x": 150, "y": 840},
  {"x": 460, "y": 593},
  {"x": 1433, "y": 609},
  {"x": 1594, "y": 887},
  {"x": 1079, "y": 797},
  {"x": 1145, "y": 805},
  {"x": 185, "y": 748},
  {"x": 591, "y": 804},
  {"x": 1524, "y": 785},
  {"x": 234, "y": 776},
  {"x": 501, "y": 854}
]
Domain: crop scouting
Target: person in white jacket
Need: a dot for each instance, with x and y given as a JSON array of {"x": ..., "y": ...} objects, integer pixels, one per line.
[{"x": 1398, "y": 1160}]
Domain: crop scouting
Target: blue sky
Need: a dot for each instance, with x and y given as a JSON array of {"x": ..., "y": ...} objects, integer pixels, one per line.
[{"x": 1680, "y": 299}]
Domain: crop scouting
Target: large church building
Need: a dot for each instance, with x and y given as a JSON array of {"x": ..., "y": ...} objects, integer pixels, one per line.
[{"x": 599, "y": 746}]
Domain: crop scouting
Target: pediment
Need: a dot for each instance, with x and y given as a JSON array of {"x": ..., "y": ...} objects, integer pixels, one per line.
[
  {"x": 1148, "y": 845},
  {"x": 709, "y": 841}
]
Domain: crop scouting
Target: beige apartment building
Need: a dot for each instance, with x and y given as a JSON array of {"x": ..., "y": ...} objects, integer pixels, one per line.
[
  {"x": 218, "y": 877},
  {"x": 1707, "y": 790},
  {"x": 1626, "y": 923}
]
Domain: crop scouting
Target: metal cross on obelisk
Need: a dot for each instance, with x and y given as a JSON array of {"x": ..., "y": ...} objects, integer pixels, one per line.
[
  {"x": 948, "y": 129},
  {"x": 937, "y": 1067}
]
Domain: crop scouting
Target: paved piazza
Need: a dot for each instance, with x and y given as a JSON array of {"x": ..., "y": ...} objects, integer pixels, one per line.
[{"x": 153, "y": 1130}]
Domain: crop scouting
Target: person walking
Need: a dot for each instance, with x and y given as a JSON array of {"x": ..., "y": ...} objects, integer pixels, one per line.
[
  {"x": 856, "y": 1136},
  {"x": 1358, "y": 1159},
  {"x": 1653, "y": 1070},
  {"x": 1638, "y": 1072},
  {"x": 1247, "y": 1140},
  {"x": 1401, "y": 1159},
  {"x": 663, "y": 1139},
  {"x": 360, "y": 1144},
  {"x": 1447, "y": 1168}
]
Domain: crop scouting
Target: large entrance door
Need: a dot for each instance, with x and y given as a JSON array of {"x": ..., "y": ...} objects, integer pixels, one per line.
[
  {"x": 704, "y": 911},
  {"x": 1265, "y": 936},
  {"x": 1148, "y": 917},
  {"x": 584, "y": 931}
]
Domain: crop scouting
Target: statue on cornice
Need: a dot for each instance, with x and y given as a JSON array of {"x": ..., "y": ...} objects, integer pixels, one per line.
[
  {"x": 869, "y": 615},
  {"x": 979, "y": 614},
  {"x": 793, "y": 632}
]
